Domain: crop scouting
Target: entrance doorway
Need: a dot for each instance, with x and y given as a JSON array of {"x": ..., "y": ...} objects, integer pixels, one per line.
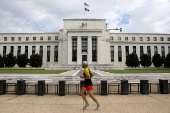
[{"x": 84, "y": 58}]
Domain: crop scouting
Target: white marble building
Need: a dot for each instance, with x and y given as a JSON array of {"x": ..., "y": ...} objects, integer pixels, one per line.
[{"x": 84, "y": 39}]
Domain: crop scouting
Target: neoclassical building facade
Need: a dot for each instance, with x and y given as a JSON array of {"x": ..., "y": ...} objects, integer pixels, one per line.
[{"x": 84, "y": 40}]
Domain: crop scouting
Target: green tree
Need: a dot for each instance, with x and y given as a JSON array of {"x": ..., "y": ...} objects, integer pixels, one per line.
[
  {"x": 35, "y": 60},
  {"x": 132, "y": 60},
  {"x": 157, "y": 60},
  {"x": 1, "y": 62},
  {"x": 145, "y": 60},
  {"x": 10, "y": 60},
  {"x": 167, "y": 61},
  {"x": 22, "y": 60}
]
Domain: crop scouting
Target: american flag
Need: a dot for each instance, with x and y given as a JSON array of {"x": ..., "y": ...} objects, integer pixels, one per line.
[{"x": 85, "y": 4}]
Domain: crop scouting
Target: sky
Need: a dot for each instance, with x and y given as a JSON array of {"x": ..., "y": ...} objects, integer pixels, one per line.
[{"x": 36, "y": 16}]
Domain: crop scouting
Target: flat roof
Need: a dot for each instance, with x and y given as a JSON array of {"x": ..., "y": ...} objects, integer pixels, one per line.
[{"x": 84, "y": 19}]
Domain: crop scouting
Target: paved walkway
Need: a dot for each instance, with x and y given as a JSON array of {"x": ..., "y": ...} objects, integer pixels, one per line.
[{"x": 133, "y": 103}]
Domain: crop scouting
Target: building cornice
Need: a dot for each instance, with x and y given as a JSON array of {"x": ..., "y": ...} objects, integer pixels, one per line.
[
  {"x": 84, "y": 19},
  {"x": 139, "y": 34},
  {"x": 30, "y": 42},
  {"x": 84, "y": 30},
  {"x": 134, "y": 42},
  {"x": 27, "y": 33}
]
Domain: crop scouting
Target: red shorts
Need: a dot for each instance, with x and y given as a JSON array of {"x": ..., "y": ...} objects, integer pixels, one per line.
[{"x": 88, "y": 87}]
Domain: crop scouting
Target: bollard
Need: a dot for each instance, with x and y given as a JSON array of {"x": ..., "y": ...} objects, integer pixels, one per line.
[
  {"x": 144, "y": 87},
  {"x": 62, "y": 88},
  {"x": 124, "y": 87},
  {"x": 103, "y": 87},
  {"x": 163, "y": 85},
  {"x": 20, "y": 87},
  {"x": 82, "y": 82},
  {"x": 41, "y": 87},
  {"x": 2, "y": 87}
]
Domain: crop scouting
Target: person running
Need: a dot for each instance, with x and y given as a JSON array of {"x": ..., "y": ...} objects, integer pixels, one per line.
[{"x": 88, "y": 86}]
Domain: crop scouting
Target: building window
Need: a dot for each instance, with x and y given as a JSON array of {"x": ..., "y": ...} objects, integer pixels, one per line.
[
  {"x": 169, "y": 49},
  {"x": 111, "y": 38},
  {"x": 154, "y": 39},
  {"x": 41, "y": 51},
  {"x": 56, "y": 37},
  {"x": 162, "y": 38},
  {"x": 56, "y": 54},
  {"x": 33, "y": 50},
  {"x": 49, "y": 37},
  {"x": 84, "y": 45},
  {"x": 12, "y": 49},
  {"x": 112, "y": 53},
  {"x": 133, "y": 38},
  {"x": 4, "y": 51},
  {"x": 141, "y": 50},
  {"x": 27, "y": 38},
  {"x": 134, "y": 49},
  {"x": 168, "y": 39},
  {"x": 48, "y": 53},
  {"x": 26, "y": 50},
  {"x": 12, "y": 38},
  {"x": 127, "y": 50},
  {"x": 119, "y": 54},
  {"x": 163, "y": 51},
  {"x": 126, "y": 38},
  {"x": 119, "y": 38},
  {"x": 34, "y": 38},
  {"x": 155, "y": 50},
  {"x": 19, "y": 38},
  {"x": 19, "y": 51},
  {"x": 5, "y": 38},
  {"x": 141, "y": 38},
  {"x": 148, "y": 38},
  {"x": 149, "y": 50},
  {"x": 94, "y": 49},
  {"x": 41, "y": 38},
  {"x": 74, "y": 49}
]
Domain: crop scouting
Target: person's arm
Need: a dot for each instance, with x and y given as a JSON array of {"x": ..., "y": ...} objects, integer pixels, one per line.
[
  {"x": 88, "y": 77},
  {"x": 92, "y": 74}
]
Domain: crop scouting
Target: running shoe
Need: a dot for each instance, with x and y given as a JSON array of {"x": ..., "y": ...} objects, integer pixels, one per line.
[
  {"x": 98, "y": 107},
  {"x": 87, "y": 104}
]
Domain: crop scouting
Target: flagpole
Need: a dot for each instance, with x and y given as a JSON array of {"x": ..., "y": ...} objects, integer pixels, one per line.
[{"x": 84, "y": 10}]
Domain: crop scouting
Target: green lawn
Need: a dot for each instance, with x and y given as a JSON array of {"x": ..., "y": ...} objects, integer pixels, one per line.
[{"x": 31, "y": 71}]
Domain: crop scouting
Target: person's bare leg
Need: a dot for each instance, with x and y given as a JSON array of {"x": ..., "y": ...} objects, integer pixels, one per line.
[
  {"x": 92, "y": 96},
  {"x": 83, "y": 90}
]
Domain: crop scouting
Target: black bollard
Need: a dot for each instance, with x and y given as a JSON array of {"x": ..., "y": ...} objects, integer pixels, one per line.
[
  {"x": 62, "y": 88},
  {"x": 124, "y": 87},
  {"x": 144, "y": 87},
  {"x": 103, "y": 87},
  {"x": 163, "y": 85},
  {"x": 82, "y": 83},
  {"x": 41, "y": 87},
  {"x": 20, "y": 87},
  {"x": 2, "y": 87}
]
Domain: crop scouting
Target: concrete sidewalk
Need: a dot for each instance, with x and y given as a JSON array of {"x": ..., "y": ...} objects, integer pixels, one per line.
[{"x": 132, "y": 103}]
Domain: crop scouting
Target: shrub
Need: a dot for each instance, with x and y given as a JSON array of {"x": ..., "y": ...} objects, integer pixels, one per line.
[
  {"x": 35, "y": 60},
  {"x": 157, "y": 60},
  {"x": 145, "y": 60},
  {"x": 22, "y": 60},
  {"x": 132, "y": 60},
  {"x": 10, "y": 60}
]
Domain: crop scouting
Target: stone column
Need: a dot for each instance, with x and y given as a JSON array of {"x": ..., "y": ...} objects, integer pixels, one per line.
[
  {"x": 159, "y": 50},
  {"x": 1, "y": 50},
  {"x": 89, "y": 47},
  {"x": 22, "y": 49},
  {"x": 115, "y": 53},
  {"x": 60, "y": 52},
  {"x": 138, "y": 51},
  {"x": 15, "y": 50},
  {"x": 44, "y": 55},
  {"x": 152, "y": 51},
  {"x": 7, "y": 49},
  {"x": 79, "y": 56},
  {"x": 37, "y": 47},
  {"x": 130, "y": 49},
  {"x": 166, "y": 50},
  {"x": 69, "y": 49},
  {"x": 52, "y": 54},
  {"x": 99, "y": 49},
  {"x": 145, "y": 49},
  {"x": 123, "y": 54},
  {"x": 29, "y": 51}
]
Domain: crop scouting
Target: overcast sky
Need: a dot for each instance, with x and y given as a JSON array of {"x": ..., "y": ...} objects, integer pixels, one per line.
[{"x": 133, "y": 16}]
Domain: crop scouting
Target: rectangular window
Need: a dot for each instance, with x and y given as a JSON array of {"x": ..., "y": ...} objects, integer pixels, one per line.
[
  {"x": 141, "y": 38},
  {"x": 56, "y": 54},
  {"x": 56, "y": 37},
  {"x": 4, "y": 51},
  {"x": 12, "y": 49},
  {"x": 119, "y": 38},
  {"x": 168, "y": 39},
  {"x": 141, "y": 50},
  {"x": 119, "y": 54},
  {"x": 12, "y": 38},
  {"x": 148, "y": 38},
  {"x": 19, "y": 38},
  {"x": 19, "y": 51},
  {"x": 34, "y": 38},
  {"x": 134, "y": 49},
  {"x": 41, "y": 38},
  {"x": 163, "y": 51},
  {"x": 5, "y": 38},
  {"x": 84, "y": 45},
  {"x": 94, "y": 49},
  {"x": 49, "y": 37},
  {"x": 162, "y": 39},
  {"x": 155, "y": 50},
  {"x": 149, "y": 50},
  {"x": 112, "y": 53},
  {"x": 74, "y": 49},
  {"x": 126, "y": 38},
  {"x": 169, "y": 49},
  {"x": 33, "y": 50},
  {"x": 127, "y": 50},
  {"x": 48, "y": 53},
  {"x": 26, "y": 50},
  {"x": 27, "y": 38},
  {"x": 111, "y": 38},
  {"x": 154, "y": 39},
  {"x": 41, "y": 51},
  {"x": 133, "y": 38}
]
